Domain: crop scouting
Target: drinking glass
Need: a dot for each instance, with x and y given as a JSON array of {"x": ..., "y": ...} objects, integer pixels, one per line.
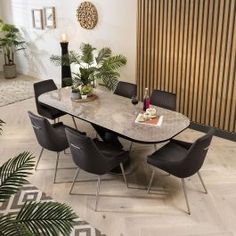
[{"x": 134, "y": 101}]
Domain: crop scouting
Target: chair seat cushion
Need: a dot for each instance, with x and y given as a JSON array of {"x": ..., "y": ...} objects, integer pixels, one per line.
[
  {"x": 184, "y": 144},
  {"x": 107, "y": 149},
  {"x": 168, "y": 158},
  {"x": 114, "y": 155}
]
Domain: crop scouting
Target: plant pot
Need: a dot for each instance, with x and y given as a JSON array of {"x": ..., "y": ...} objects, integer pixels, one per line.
[
  {"x": 84, "y": 96},
  {"x": 9, "y": 71},
  {"x": 75, "y": 95}
]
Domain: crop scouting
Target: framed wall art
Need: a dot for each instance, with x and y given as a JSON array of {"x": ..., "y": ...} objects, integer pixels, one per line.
[
  {"x": 50, "y": 17},
  {"x": 37, "y": 17}
]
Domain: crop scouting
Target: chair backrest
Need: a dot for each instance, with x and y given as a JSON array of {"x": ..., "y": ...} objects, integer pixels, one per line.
[
  {"x": 126, "y": 89},
  {"x": 43, "y": 87},
  {"x": 46, "y": 136},
  {"x": 196, "y": 155},
  {"x": 163, "y": 99},
  {"x": 85, "y": 153}
]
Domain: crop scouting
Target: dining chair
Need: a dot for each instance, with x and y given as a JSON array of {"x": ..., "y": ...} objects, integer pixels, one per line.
[
  {"x": 94, "y": 157},
  {"x": 126, "y": 89},
  {"x": 163, "y": 99},
  {"x": 181, "y": 159},
  {"x": 51, "y": 137},
  {"x": 47, "y": 111}
]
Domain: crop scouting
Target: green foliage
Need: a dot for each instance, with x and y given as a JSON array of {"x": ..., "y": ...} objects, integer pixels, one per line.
[
  {"x": 104, "y": 66},
  {"x": 1, "y": 124},
  {"x": 114, "y": 63},
  {"x": 13, "y": 174},
  {"x": 86, "y": 89},
  {"x": 10, "y": 42},
  {"x": 47, "y": 218},
  {"x": 87, "y": 53},
  {"x": 103, "y": 54},
  {"x": 9, "y": 227}
]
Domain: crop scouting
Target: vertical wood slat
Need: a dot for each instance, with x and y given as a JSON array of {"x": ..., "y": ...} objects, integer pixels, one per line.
[{"x": 189, "y": 47}]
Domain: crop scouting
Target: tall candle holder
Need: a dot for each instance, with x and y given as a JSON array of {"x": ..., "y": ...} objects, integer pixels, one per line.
[{"x": 66, "y": 79}]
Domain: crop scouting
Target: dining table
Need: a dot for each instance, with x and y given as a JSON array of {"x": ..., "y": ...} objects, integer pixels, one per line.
[{"x": 117, "y": 114}]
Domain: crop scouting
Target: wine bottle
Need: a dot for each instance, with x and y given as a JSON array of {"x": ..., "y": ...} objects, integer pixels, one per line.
[{"x": 146, "y": 100}]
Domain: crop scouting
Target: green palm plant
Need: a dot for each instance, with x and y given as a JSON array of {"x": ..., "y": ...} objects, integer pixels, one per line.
[
  {"x": 34, "y": 218},
  {"x": 93, "y": 64},
  {"x": 10, "y": 42}
]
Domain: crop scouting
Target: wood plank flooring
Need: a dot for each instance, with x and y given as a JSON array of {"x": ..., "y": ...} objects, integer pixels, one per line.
[{"x": 131, "y": 212}]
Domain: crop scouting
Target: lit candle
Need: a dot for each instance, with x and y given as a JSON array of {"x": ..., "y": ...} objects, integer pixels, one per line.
[{"x": 64, "y": 38}]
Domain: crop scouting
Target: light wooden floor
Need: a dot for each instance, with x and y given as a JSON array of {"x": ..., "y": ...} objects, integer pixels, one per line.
[{"x": 132, "y": 212}]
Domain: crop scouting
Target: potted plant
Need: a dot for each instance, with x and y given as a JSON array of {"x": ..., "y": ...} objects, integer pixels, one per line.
[
  {"x": 75, "y": 92},
  {"x": 10, "y": 42},
  {"x": 93, "y": 64},
  {"x": 86, "y": 90}
]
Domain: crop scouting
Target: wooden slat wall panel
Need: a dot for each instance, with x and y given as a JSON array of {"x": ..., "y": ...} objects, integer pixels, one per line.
[{"x": 188, "y": 47}]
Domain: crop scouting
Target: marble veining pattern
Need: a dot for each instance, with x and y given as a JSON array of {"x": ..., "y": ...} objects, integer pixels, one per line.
[{"x": 117, "y": 113}]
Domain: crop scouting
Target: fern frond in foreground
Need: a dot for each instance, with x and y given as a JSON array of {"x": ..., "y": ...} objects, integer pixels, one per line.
[
  {"x": 1, "y": 124},
  {"x": 46, "y": 218},
  {"x": 9, "y": 227},
  {"x": 13, "y": 174}
]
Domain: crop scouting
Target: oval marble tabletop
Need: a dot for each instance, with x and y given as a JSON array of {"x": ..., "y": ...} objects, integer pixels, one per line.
[{"x": 116, "y": 113}]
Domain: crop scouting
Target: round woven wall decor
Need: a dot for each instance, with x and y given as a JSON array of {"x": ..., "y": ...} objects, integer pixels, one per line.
[{"x": 87, "y": 15}]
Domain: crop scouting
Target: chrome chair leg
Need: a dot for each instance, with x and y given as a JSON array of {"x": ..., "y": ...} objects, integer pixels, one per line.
[
  {"x": 155, "y": 146},
  {"x": 123, "y": 173},
  {"x": 130, "y": 146},
  {"x": 97, "y": 193},
  {"x": 55, "y": 174},
  {"x": 185, "y": 195},
  {"x": 204, "y": 186},
  {"x": 66, "y": 153},
  {"x": 73, "y": 118},
  {"x": 75, "y": 177},
  {"x": 40, "y": 155},
  {"x": 150, "y": 182}
]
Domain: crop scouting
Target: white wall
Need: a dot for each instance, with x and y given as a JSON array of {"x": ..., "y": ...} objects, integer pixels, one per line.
[{"x": 116, "y": 29}]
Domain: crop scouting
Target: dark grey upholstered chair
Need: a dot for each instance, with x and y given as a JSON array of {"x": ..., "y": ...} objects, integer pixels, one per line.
[
  {"x": 94, "y": 157},
  {"x": 126, "y": 89},
  {"x": 181, "y": 159},
  {"x": 163, "y": 99},
  {"x": 44, "y": 110},
  {"x": 49, "y": 136}
]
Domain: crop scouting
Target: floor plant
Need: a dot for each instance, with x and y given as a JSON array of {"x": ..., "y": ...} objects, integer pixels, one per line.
[{"x": 10, "y": 42}]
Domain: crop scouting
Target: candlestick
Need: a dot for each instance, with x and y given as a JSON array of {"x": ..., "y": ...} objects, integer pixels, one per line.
[
  {"x": 65, "y": 69},
  {"x": 64, "y": 38}
]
